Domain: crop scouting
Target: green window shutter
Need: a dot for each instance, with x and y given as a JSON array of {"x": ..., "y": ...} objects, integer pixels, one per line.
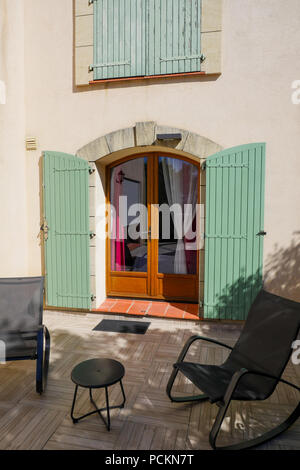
[
  {"x": 146, "y": 37},
  {"x": 66, "y": 212},
  {"x": 119, "y": 38},
  {"x": 173, "y": 36},
  {"x": 234, "y": 216}
]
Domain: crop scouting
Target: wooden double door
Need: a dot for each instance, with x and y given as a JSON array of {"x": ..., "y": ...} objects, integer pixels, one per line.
[{"x": 152, "y": 227}]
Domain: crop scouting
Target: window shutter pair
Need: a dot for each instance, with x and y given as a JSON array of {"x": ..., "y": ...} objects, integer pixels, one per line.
[
  {"x": 235, "y": 181},
  {"x": 146, "y": 37}
]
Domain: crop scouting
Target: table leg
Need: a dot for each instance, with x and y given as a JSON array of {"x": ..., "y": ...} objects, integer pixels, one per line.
[
  {"x": 98, "y": 410},
  {"x": 107, "y": 409},
  {"x": 73, "y": 405},
  {"x": 123, "y": 393}
]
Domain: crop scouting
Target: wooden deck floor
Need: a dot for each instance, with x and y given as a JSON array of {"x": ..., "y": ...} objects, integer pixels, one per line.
[{"x": 149, "y": 420}]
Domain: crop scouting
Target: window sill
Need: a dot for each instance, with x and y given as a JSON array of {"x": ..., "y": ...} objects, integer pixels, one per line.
[{"x": 148, "y": 77}]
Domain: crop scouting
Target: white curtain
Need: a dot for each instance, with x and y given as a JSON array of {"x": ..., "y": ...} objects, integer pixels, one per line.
[
  {"x": 181, "y": 184},
  {"x": 190, "y": 197}
]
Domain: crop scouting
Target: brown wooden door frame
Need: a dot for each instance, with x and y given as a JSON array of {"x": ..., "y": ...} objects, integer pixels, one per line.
[{"x": 152, "y": 284}]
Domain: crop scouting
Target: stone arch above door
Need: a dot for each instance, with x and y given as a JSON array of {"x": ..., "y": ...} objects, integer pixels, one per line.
[{"x": 144, "y": 134}]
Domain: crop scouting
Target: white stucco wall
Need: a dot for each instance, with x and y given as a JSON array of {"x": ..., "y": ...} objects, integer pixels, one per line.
[
  {"x": 249, "y": 102},
  {"x": 14, "y": 244}
]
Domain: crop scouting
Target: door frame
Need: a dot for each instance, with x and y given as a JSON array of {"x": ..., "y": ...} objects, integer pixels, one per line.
[{"x": 152, "y": 197}]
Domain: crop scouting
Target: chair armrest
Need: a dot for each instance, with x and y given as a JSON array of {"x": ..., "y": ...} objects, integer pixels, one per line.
[
  {"x": 242, "y": 372},
  {"x": 194, "y": 338},
  {"x": 269, "y": 376}
]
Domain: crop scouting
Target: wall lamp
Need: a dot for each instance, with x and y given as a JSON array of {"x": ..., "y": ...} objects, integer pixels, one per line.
[{"x": 169, "y": 136}]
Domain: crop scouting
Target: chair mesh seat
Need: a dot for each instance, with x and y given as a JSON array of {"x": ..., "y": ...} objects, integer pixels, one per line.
[
  {"x": 22, "y": 333},
  {"x": 214, "y": 380},
  {"x": 22, "y": 349},
  {"x": 252, "y": 369},
  {"x": 19, "y": 344},
  {"x": 264, "y": 346}
]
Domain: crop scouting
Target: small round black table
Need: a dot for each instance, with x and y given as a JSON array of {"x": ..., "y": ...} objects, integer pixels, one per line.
[{"x": 97, "y": 373}]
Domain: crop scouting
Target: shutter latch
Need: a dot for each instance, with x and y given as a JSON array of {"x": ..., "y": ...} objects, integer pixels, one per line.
[
  {"x": 45, "y": 229},
  {"x": 262, "y": 233}
]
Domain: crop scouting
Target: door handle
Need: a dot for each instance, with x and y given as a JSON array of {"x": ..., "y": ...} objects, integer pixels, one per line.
[{"x": 262, "y": 233}]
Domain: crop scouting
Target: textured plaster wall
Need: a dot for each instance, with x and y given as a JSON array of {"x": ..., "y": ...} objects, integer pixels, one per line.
[{"x": 14, "y": 244}]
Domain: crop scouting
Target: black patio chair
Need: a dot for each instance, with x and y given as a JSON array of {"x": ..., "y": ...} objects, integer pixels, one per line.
[
  {"x": 22, "y": 334},
  {"x": 253, "y": 368}
]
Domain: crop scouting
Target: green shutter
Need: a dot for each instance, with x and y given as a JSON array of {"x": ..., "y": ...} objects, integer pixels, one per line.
[
  {"x": 234, "y": 217},
  {"x": 173, "y": 36},
  {"x": 66, "y": 211},
  {"x": 146, "y": 37},
  {"x": 119, "y": 38}
]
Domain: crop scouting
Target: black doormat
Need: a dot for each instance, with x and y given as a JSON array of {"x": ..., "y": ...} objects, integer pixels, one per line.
[{"x": 123, "y": 326}]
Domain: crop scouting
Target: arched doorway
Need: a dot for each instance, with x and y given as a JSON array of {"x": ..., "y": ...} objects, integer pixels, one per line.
[
  {"x": 151, "y": 249},
  {"x": 111, "y": 148}
]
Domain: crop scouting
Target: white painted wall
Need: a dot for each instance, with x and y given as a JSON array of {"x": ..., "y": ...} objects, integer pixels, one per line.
[
  {"x": 14, "y": 244},
  {"x": 250, "y": 101}
]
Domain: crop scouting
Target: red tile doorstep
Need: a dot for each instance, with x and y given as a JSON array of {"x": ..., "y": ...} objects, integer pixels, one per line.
[
  {"x": 155, "y": 309},
  {"x": 121, "y": 306},
  {"x": 139, "y": 308},
  {"x": 158, "y": 309}
]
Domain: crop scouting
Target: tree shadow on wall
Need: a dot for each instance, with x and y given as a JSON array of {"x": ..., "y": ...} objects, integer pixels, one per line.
[
  {"x": 281, "y": 277},
  {"x": 282, "y": 270},
  {"x": 236, "y": 298}
]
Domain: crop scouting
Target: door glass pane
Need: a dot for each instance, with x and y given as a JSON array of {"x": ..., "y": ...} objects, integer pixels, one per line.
[
  {"x": 129, "y": 224},
  {"x": 178, "y": 197}
]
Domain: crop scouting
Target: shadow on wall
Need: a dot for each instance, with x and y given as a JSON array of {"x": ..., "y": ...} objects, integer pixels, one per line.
[
  {"x": 236, "y": 298},
  {"x": 281, "y": 277},
  {"x": 282, "y": 270}
]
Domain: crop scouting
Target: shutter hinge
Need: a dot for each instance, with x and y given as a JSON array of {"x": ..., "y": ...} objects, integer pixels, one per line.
[
  {"x": 90, "y": 2},
  {"x": 92, "y": 235},
  {"x": 183, "y": 57},
  {"x": 228, "y": 165},
  {"x": 93, "y": 297},
  {"x": 91, "y": 170},
  {"x": 203, "y": 166},
  {"x": 109, "y": 64},
  {"x": 201, "y": 304},
  {"x": 227, "y": 236}
]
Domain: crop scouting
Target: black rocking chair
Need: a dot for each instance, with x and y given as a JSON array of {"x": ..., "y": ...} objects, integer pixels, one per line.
[
  {"x": 22, "y": 334},
  {"x": 254, "y": 366}
]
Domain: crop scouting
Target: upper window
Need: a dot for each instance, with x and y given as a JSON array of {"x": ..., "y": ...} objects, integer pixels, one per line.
[
  {"x": 135, "y": 38},
  {"x": 115, "y": 39}
]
